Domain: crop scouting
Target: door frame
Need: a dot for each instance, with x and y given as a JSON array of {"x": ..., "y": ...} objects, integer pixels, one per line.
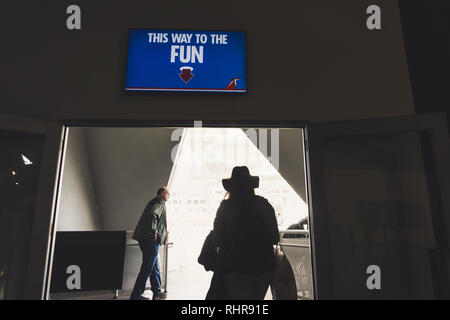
[
  {"x": 433, "y": 124},
  {"x": 37, "y": 277},
  {"x": 68, "y": 123},
  {"x": 45, "y": 197}
]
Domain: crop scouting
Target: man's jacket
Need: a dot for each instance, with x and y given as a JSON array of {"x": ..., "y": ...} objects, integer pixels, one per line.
[{"x": 153, "y": 220}]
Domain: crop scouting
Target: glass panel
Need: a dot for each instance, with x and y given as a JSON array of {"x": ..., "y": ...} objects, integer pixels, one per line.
[
  {"x": 378, "y": 191},
  {"x": 19, "y": 166}
]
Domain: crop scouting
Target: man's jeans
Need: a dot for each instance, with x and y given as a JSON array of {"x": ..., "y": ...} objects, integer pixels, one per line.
[{"x": 149, "y": 268}]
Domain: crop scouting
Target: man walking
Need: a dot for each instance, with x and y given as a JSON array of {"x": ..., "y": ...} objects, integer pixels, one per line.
[{"x": 151, "y": 232}]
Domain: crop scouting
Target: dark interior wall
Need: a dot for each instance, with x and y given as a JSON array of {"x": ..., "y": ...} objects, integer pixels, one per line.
[
  {"x": 386, "y": 221},
  {"x": 426, "y": 29},
  {"x": 307, "y": 60}
]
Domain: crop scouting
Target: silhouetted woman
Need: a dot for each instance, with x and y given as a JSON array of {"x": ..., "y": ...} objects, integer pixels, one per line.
[{"x": 245, "y": 230}]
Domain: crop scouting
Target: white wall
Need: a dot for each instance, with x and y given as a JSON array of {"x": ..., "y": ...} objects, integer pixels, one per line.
[
  {"x": 128, "y": 166},
  {"x": 78, "y": 208}
]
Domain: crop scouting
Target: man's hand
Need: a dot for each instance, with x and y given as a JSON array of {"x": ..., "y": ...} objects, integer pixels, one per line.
[
  {"x": 155, "y": 237},
  {"x": 167, "y": 238}
]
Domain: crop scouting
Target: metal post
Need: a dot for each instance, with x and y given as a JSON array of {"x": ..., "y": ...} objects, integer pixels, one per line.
[{"x": 166, "y": 263}]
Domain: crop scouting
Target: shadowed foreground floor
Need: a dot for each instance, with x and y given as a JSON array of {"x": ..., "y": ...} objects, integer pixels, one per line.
[{"x": 187, "y": 283}]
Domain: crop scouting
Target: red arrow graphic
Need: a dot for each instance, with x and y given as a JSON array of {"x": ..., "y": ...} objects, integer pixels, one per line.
[{"x": 186, "y": 74}]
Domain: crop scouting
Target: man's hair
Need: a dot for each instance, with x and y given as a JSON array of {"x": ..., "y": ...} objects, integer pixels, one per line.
[{"x": 160, "y": 190}]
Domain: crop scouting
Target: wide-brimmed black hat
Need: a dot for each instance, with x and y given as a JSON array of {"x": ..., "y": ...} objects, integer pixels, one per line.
[{"x": 240, "y": 176}]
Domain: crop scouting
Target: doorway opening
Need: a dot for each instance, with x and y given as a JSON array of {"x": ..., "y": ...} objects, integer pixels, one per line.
[{"x": 110, "y": 173}]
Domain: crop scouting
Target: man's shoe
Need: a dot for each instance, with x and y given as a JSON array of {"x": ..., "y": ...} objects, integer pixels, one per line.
[{"x": 160, "y": 296}]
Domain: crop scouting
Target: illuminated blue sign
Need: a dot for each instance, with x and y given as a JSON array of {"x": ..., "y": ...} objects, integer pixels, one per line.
[{"x": 180, "y": 60}]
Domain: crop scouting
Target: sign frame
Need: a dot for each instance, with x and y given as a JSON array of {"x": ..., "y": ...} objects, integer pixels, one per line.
[{"x": 203, "y": 91}]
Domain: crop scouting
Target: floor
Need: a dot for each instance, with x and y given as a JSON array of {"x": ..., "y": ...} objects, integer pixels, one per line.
[{"x": 188, "y": 283}]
